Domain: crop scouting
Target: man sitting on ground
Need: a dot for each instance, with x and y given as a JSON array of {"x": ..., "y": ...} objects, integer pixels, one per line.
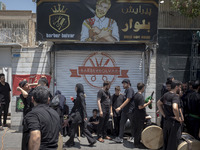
[{"x": 93, "y": 122}]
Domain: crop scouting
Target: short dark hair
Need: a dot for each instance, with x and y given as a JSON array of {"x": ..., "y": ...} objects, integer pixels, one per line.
[
  {"x": 169, "y": 82},
  {"x": 175, "y": 83},
  {"x": 95, "y": 110},
  {"x": 117, "y": 88},
  {"x": 41, "y": 95},
  {"x": 43, "y": 81},
  {"x": 106, "y": 83},
  {"x": 2, "y": 75},
  {"x": 195, "y": 85},
  {"x": 140, "y": 86}
]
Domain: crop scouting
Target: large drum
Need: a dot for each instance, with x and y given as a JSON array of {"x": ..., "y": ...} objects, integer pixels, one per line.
[
  {"x": 188, "y": 142},
  {"x": 152, "y": 137}
]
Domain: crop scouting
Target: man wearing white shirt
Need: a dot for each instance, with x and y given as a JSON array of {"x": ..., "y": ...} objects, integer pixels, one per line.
[{"x": 100, "y": 28}]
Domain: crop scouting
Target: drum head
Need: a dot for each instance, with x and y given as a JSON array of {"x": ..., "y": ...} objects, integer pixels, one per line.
[
  {"x": 195, "y": 144},
  {"x": 152, "y": 137}
]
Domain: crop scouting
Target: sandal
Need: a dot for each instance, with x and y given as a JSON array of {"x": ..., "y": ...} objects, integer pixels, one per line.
[{"x": 100, "y": 140}]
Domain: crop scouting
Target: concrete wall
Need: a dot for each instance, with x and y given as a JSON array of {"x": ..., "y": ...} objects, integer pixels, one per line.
[
  {"x": 151, "y": 84},
  {"x": 31, "y": 61}
]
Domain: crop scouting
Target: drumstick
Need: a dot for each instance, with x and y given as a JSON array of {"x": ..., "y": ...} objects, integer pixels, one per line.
[
  {"x": 113, "y": 122},
  {"x": 79, "y": 132}
]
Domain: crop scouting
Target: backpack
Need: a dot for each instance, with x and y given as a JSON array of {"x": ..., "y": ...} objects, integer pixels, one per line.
[{"x": 55, "y": 101}]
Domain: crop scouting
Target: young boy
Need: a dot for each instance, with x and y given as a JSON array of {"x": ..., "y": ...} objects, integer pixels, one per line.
[{"x": 139, "y": 113}]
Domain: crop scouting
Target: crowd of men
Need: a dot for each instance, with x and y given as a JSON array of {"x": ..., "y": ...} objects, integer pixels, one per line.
[{"x": 45, "y": 116}]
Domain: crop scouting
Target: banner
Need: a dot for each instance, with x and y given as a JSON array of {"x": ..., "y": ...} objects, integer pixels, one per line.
[
  {"x": 30, "y": 78},
  {"x": 109, "y": 21}
]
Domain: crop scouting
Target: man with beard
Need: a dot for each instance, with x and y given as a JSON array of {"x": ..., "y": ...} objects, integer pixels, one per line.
[
  {"x": 194, "y": 111},
  {"x": 100, "y": 28},
  {"x": 103, "y": 101},
  {"x": 127, "y": 108},
  {"x": 26, "y": 96},
  {"x": 4, "y": 99},
  {"x": 169, "y": 106}
]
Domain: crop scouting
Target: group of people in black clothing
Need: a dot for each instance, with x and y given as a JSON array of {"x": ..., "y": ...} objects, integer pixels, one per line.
[
  {"x": 180, "y": 109},
  {"x": 39, "y": 118},
  {"x": 42, "y": 124}
]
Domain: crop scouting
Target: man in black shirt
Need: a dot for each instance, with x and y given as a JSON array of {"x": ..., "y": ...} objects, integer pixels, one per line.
[
  {"x": 103, "y": 101},
  {"x": 139, "y": 113},
  {"x": 26, "y": 96},
  {"x": 4, "y": 99},
  {"x": 42, "y": 124},
  {"x": 169, "y": 106},
  {"x": 194, "y": 111},
  {"x": 93, "y": 122},
  {"x": 127, "y": 108},
  {"x": 116, "y": 101}
]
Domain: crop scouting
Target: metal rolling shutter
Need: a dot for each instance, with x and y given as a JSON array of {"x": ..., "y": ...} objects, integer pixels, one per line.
[{"x": 132, "y": 61}]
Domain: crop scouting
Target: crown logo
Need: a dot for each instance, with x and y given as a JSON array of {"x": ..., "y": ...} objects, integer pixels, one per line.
[{"x": 59, "y": 10}]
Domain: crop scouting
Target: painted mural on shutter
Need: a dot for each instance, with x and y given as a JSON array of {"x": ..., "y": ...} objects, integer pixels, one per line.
[{"x": 92, "y": 68}]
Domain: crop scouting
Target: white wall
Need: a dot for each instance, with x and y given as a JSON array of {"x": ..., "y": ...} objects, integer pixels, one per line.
[{"x": 31, "y": 61}]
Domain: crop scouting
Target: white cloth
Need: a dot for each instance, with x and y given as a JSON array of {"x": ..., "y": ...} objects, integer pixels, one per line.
[{"x": 100, "y": 23}]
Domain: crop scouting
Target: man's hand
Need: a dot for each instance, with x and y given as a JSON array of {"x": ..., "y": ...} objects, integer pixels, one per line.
[
  {"x": 104, "y": 33},
  {"x": 18, "y": 88},
  {"x": 118, "y": 109},
  {"x": 96, "y": 30},
  {"x": 85, "y": 119},
  {"x": 149, "y": 102},
  {"x": 101, "y": 113},
  {"x": 111, "y": 114}
]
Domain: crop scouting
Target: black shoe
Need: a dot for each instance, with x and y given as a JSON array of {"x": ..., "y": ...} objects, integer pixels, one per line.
[
  {"x": 68, "y": 144},
  {"x": 92, "y": 144},
  {"x": 118, "y": 140}
]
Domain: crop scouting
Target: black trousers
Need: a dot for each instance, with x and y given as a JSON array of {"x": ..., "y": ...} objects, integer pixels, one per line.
[
  {"x": 93, "y": 128},
  {"x": 124, "y": 118},
  {"x": 138, "y": 121},
  {"x": 103, "y": 123},
  {"x": 116, "y": 124},
  {"x": 193, "y": 127},
  {"x": 171, "y": 134},
  {"x": 86, "y": 132},
  {"x": 4, "y": 108}
]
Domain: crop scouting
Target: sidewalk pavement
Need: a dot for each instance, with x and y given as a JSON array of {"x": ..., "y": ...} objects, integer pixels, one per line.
[{"x": 12, "y": 141}]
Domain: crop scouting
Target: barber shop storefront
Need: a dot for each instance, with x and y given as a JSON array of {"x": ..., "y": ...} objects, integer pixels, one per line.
[{"x": 97, "y": 41}]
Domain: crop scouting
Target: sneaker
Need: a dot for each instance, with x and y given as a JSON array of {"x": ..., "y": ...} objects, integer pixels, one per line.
[
  {"x": 118, "y": 140},
  {"x": 131, "y": 140}
]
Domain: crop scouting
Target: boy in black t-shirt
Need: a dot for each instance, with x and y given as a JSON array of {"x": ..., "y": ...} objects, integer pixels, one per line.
[
  {"x": 93, "y": 122},
  {"x": 103, "y": 100},
  {"x": 116, "y": 101},
  {"x": 26, "y": 96},
  {"x": 127, "y": 108},
  {"x": 169, "y": 106},
  {"x": 139, "y": 113}
]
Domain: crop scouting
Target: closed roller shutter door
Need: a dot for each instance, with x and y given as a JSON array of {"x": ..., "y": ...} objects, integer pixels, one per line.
[{"x": 91, "y": 68}]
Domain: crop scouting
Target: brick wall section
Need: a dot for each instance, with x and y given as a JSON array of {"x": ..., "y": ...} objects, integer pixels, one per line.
[{"x": 151, "y": 86}]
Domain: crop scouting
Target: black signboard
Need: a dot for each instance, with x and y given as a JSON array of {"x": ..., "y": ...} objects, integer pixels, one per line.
[{"x": 97, "y": 20}]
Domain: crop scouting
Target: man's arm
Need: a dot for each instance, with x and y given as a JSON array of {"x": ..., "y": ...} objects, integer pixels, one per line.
[
  {"x": 34, "y": 141},
  {"x": 145, "y": 105},
  {"x": 176, "y": 111},
  {"x": 123, "y": 105},
  {"x": 99, "y": 106},
  {"x": 24, "y": 93},
  {"x": 160, "y": 108}
]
